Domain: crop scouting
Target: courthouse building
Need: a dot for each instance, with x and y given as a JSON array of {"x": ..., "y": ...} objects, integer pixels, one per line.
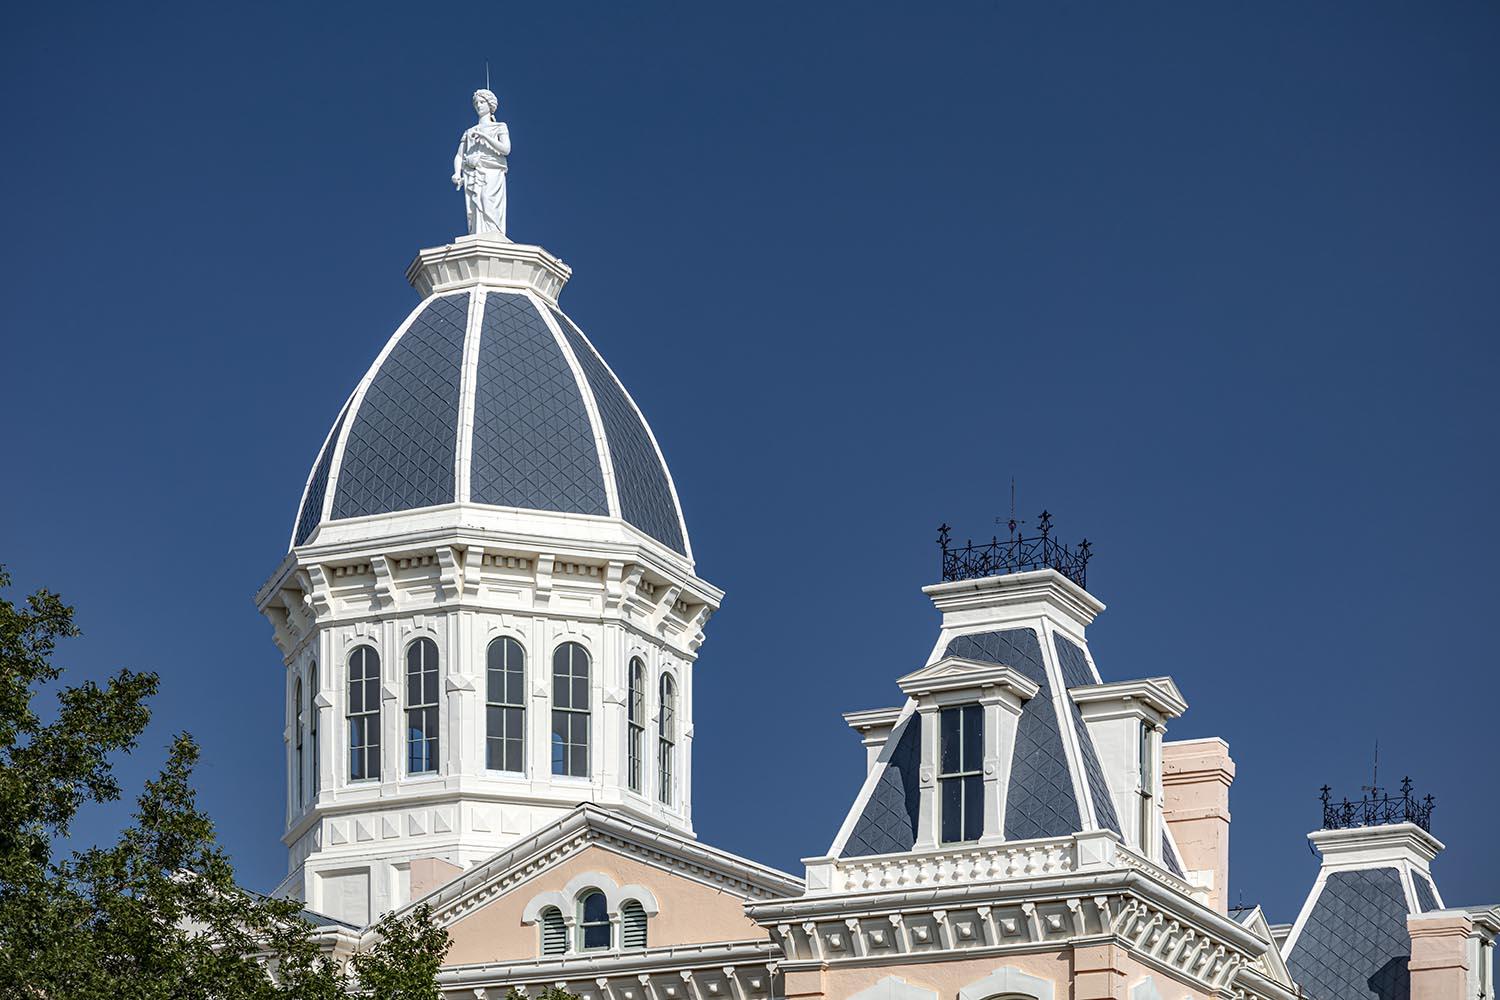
[{"x": 489, "y": 619}]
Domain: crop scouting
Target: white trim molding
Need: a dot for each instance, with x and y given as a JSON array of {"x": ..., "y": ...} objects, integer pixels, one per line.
[
  {"x": 895, "y": 988},
  {"x": 1008, "y": 981}
]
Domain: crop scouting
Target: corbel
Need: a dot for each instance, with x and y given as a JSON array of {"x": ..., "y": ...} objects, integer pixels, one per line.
[
  {"x": 1029, "y": 909},
  {"x": 903, "y": 939},
  {"x": 473, "y": 570},
  {"x": 319, "y": 590},
  {"x": 385, "y": 583},
  {"x": 481, "y": 993},
  {"x": 1075, "y": 908},
  {"x": 1166, "y": 938},
  {"x": 1192, "y": 960},
  {"x": 1101, "y": 906},
  {"x": 630, "y": 590},
  {"x": 614, "y": 584},
  {"x": 450, "y": 575},
  {"x": 656, "y": 622},
  {"x": 986, "y": 930},
  {"x": 1231, "y": 965},
  {"x": 648, "y": 988},
  {"x": 856, "y": 936},
  {"x": 1147, "y": 926},
  {"x": 944, "y": 932},
  {"x": 731, "y": 976},
  {"x": 810, "y": 928},
  {"x": 1182, "y": 944},
  {"x": 602, "y": 982},
  {"x": 543, "y": 588},
  {"x": 788, "y": 940},
  {"x": 690, "y": 984}
]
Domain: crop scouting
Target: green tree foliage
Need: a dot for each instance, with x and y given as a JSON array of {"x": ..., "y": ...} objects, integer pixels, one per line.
[{"x": 157, "y": 914}]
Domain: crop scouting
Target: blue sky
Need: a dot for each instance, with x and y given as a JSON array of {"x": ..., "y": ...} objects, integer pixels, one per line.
[{"x": 1215, "y": 283}]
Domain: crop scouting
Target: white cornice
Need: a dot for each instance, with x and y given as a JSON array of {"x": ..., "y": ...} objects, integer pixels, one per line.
[
  {"x": 1159, "y": 694},
  {"x": 488, "y": 260},
  {"x": 1370, "y": 846},
  {"x": 1000, "y": 599},
  {"x": 873, "y": 718}
]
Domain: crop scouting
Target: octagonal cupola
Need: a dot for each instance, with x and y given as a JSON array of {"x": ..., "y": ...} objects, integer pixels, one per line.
[{"x": 488, "y": 612}]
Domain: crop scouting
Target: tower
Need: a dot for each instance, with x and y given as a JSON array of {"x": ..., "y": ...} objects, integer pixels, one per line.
[{"x": 488, "y": 612}]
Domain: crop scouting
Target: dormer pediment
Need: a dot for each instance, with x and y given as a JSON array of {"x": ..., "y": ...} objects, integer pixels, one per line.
[
  {"x": 1157, "y": 695},
  {"x": 957, "y": 673}
]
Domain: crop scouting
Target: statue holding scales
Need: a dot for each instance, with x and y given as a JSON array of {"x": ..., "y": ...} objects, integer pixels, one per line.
[{"x": 479, "y": 166}]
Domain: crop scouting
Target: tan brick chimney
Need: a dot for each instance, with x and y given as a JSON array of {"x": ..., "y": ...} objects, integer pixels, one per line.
[{"x": 1196, "y": 775}]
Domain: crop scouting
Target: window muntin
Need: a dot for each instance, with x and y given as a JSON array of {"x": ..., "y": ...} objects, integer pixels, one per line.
[
  {"x": 570, "y": 711},
  {"x": 666, "y": 739},
  {"x": 632, "y": 924},
  {"x": 422, "y": 707},
  {"x": 364, "y": 714},
  {"x": 312, "y": 729},
  {"x": 636, "y": 725},
  {"x": 505, "y": 706},
  {"x": 960, "y": 773},
  {"x": 593, "y": 922},
  {"x": 554, "y": 932},
  {"x": 300, "y": 764}
]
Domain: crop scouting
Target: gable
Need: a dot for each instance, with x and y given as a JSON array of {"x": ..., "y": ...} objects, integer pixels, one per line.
[{"x": 688, "y": 911}]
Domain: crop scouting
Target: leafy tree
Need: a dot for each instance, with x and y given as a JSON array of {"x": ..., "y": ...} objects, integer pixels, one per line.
[{"x": 157, "y": 914}]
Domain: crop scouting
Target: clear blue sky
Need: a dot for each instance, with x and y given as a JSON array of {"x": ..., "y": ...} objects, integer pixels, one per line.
[{"x": 1216, "y": 283}]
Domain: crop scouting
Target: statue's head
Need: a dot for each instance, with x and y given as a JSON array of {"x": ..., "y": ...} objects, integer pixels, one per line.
[{"x": 485, "y": 102}]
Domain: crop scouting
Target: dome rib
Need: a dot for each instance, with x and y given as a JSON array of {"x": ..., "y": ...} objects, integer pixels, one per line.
[
  {"x": 647, "y": 499},
  {"x": 400, "y": 451}
]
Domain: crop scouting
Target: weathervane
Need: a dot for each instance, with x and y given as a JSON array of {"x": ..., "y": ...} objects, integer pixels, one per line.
[{"x": 480, "y": 163}]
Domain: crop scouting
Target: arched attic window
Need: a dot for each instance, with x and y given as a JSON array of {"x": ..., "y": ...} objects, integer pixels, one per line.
[
  {"x": 554, "y": 932},
  {"x": 666, "y": 739},
  {"x": 593, "y": 921},
  {"x": 632, "y": 924}
]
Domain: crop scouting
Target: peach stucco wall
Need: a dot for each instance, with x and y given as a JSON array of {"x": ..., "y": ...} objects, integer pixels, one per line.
[
  {"x": 1439, "y": 962},
  {"x": 1099, "y": 972},
  {"x": 1196, "y": 775},
  {"x": 691, "y": 913}
]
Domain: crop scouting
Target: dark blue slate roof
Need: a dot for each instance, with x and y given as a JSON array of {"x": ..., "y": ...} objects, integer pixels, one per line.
[
  {"x": 1426, "y": 892},
  {"x": 1077, "y": 673},
  {"x": 645, "y": 493},
  {"x": 1354, "y": 945},
  {"x": 1040, "y": 800},
  {"x": 888, "y": 824},
  {"x": 533, "y": 444}
]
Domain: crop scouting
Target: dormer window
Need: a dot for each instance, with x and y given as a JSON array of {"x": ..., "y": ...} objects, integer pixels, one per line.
[
  {"x": 961, "y": 774},
  {"x": 593, "y": 922}
]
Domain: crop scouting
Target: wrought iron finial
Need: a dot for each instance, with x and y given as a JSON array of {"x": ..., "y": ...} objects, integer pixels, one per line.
[
  {"x": 1378, "y": 808},
  {"x": 1016, "y": 554}
]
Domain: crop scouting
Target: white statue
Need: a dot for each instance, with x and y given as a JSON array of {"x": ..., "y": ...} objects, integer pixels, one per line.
[{"x": 479, "y": 166}]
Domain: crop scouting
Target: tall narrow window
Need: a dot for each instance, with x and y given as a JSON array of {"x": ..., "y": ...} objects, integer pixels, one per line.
[
  {"x": 300, "y": 763},
  {"x": 570, "y": 711},
  {"x": 421, "y": 707},
  {"x": 505, "y": 706},
  {"x": 1147, "y": 782},
  {"x": 636, "y": 723},
  {"x": 312, "y": 730},
  {"x": 666, "y": 739},
  {"x": 961, "y": 778},
  {"x": 554, "y": 932},
  {"x": 364, "y": 714},
  {"x": 593, "y": 922},
  {"x": 632, "y": 924}
]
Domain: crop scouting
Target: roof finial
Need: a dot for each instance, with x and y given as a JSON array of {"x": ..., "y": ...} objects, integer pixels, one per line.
[{"x": 480, "y": 163}]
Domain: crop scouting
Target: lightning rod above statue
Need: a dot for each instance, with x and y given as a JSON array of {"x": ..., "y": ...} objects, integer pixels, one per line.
[{"x": 479, "y": 166}]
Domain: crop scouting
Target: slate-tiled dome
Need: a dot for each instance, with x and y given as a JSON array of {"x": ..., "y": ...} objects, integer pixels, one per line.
[{"x": 494, "y": 397}]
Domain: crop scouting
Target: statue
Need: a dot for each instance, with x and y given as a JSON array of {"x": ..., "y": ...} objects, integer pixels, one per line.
[{"x": 479, "y": 166}]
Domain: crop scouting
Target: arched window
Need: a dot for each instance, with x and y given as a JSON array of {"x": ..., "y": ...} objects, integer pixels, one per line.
[
  {"x": 554, "y": 932},
  {"x": 312, "y": 728},
  {"x": 421, "y": 707},
  {"x": 636, "y": 723},
  {"x": 593, "y": 921},
  {"x": 505, "y": 706},
  {"x": 632, "y": 924},
  {"x": 570, "y": 711},
  {"x": 666, "y": 739},
  {"x": 297, "y": 779},
  {"x": 364, "y": 714}
]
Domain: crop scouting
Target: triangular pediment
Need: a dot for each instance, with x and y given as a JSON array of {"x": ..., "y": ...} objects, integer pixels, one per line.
[
  {"x": 956, "y": 673},
  {"x": 1269, "y": 964},
  {"x": 691, "y": 893}
]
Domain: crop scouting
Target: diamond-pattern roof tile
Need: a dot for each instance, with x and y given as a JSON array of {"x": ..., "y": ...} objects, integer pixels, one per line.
[
  {"x": 1354, "y": 945},
  {"x": 533, "y": 445},
  {"x": 888, "y": 824}
]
